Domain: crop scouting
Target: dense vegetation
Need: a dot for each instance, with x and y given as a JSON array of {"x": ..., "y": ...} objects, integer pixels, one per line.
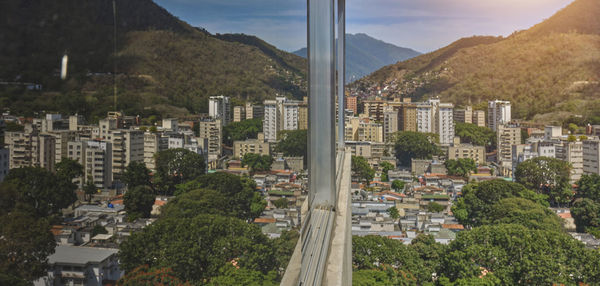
[
  {"x": 555, "y": 66},
  {"x": 476, "y": 135},
  {"x": 293, "y": 143},
  {"x": 460, "y": 167},
  {"x": 512, "y": 238},
  {"x": 362, "y": 169},
  {"x": 164, "y": 66},
  {"x": 586, "y": 207},
  {"x": 243, "y": 130},
  {"x": 414, "y": 145},
  {"x": 547, "y": 176}
]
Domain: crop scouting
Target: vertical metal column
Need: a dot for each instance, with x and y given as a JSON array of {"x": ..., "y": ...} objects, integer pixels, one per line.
[
  {"x": 321, "y": 94},
  {"x": 341, "y": 70}
]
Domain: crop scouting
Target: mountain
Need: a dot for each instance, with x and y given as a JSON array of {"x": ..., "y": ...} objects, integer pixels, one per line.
[
  {"x": 550, "y": 72},
  {"x": 365, "y": 55},
  {"x": 163, "y": 65}
]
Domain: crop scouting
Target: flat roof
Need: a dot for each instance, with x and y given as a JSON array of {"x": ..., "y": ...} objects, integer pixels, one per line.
[{"x": 65, "y": 254}]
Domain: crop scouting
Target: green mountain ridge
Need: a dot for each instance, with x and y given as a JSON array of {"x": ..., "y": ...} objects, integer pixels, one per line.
[
  {"x": 549, "y": 72},
  {"x": 164, "y": 65}
]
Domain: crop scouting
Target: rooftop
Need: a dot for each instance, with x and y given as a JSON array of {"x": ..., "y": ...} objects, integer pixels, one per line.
[{"x": 65, "y": 254}]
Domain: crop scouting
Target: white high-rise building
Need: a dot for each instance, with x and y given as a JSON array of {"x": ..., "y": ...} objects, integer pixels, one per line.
[
  {"x": 290, "y": 115},
  {"x": 498, "y": 113},
  {"x": 424, "y": 117},
  {"x": 390, "y": 123},
  {"x": 271, "y": 123},
  {"x": 219, "y": 108},
  {"x": 591, "y": 157},
  {"x": 444, "y": 123}
]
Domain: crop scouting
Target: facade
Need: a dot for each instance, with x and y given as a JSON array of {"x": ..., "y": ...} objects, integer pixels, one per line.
[
  {"x": 239, "y": 113},
  {"x": 96, "y": 159},
  {"x": 407, "y": 117},
  {"x": 424, "y": 118},
  {"x": 303, "y": 116},
  {"x": 290, "y": 115},
  {"x": 374, "y": 109},
  {"x": 74, "y": 265},
  {"x": 479, "y": 118},
  {"x": 271, "y": 121},
  {"x": 572, "y": 152},
  {"x": 390, "y": 123},
  {"x": 153, "y": 143},
  {"x": 28, "y": 148},
  {"x": 499, "y": 112},
  {"x": 464, "y": 115},
  {"x": 351, "y": 103},
  {"x": 506, "y": 137},
  {"x": 591, "y": 157},
  {"x": 444, "y": 123},
  {"x": 219, "y": 108},
  {"x": 254, "y": 111},
  {"x": 254, "y": 146},
  {"x": 467, "y": 151},
  {"x": 211, "y": 138},
  {"x": 127, "y": 147},
  {"x": 552, "y": 132}
]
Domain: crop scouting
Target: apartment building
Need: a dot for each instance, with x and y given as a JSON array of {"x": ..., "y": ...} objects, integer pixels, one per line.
[
  {"x": 253, "y": 146},
  {"x": 444, "y": 123},
  {"x": 290, "y": 115},
  {"x": 479, "y": 118},
  {"x": 219, "y": 108},
  {"x": 572, "y": 152},
  {"x": 96, "y": 159},
  {"x": 239, "y": 113},
  {"x": 467, "y": 151},
  {"x": 153, "y": 143},
  {"x": 390, "y": 123},
  {"x": 271, "y": 120},
  {"x": 211, "y": 137},
  {"x": 499, "y": 113},
  {"x": 506, "y": 137},
  {"x": 254, "y": 111},
  {"x": 464, "y": 115},
  {"x": 591, "y": 156},
  {"x": 374, "y": 109},
  {"x": 29, "y": 148}
]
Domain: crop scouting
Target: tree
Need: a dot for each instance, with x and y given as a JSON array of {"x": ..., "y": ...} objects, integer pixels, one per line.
[
  {"x": 138, "y": 202},
  {"x": 293, "y": 143},
  {"x": 98, "y": 229},
  {"x": 461, "y": 167},
  {"x": 478, "y": 199},
  {"x": 434, "y": 207},
  {"x": 548, "y": 176},
  {"x": 393, "y": 212},
  {"x": 230, "y": 275},
  {"x": 39, "y": 190},
  {"x": 362, "y": 169},
  {"x": 476, "y": 135},
  {"x": 25, "y": 244},
  {"x": 197, "y": 248},
  {"x": 586, "y": 207},
  {"x": 240, "y": 131},
  {"x": 177, "y": 166},
  {"x": 385, "y": 168},
  {"x": 414, "y": 145},
  {"x": 257, "y": 162},
  {"x": 68, "y": 169},
  {"x": 281, "y": 203},
  {"x": 284, "y": 247},
  {"x": 89, "y": 189},
  {"x": 143, "y": 275},
  {"x": 217, "y": 193},
  {"x": 398, "y": 185},
  {"x": 136, "y": 174},
  {"x": 518, "y": 255},
  {"x": 524, "y": 212}
]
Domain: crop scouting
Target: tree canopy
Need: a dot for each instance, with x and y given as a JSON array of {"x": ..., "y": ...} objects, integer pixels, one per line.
[
  {"x": 460, "y": 167},
  {"x": 476, "y": 135},
  {"x": 546, "y": 175},
  {"x": 243, "y": 130},
  {"x": 362, "y": 169},
  {"x": 177, "y": 166},
  {"x": 586, "y": 207},
  {"x": 257, "y": 162},
  {"x": 197, "y": 248},
  {"x": 136, "y": 174},
  {"x": 217, "y": 193},
  {"x": 25, "y": 244},
  {"x": 478, "y": 199},
  {"x": 293, "y": 143},
  {"x": 385, "y": 168},
  {"x": 414, "y": 145},
  {"x": 138, "y": 202}
]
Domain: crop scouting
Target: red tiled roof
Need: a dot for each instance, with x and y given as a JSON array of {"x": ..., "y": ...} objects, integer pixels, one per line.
[
  {"x": 453, "y": 226},
  {"x": 264, "y": 220},
  {"x": 565, "y": 215}
]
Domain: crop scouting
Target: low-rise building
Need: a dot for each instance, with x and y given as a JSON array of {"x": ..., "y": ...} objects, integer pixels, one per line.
[
  {"x": 253, "y": 146},
  {"x": 467, "y": 151}
]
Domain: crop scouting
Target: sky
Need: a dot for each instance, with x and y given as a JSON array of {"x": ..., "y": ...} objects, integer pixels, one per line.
[{"x": 423, "y": 25}]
